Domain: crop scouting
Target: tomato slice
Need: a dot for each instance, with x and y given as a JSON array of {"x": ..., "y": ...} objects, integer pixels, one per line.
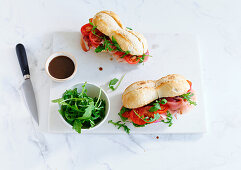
[
  {"x": 151, "y": 114},
  {"x": 119, "y": 53},
  {"x": 190, "y": 83},
  {"x": 144, "y": 112},
  {"x": 131, "y": 59},
  {"x": 126, "y": 114},
  {"x": 135, "y": 119},
  {"x": 86, "y": 29},
  {"x": 164, "y": 109},
  {"x": 96, "y": 40}
]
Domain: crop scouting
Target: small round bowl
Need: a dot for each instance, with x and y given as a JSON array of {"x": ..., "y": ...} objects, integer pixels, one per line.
[
  {"x": 92, "y": 91},
  {"x": 56, "y": 55}
]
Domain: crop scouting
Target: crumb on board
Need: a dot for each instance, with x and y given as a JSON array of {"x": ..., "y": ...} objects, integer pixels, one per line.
[
  {"x": 157, "y": 137},
  {"x": 100, "y": 68}
]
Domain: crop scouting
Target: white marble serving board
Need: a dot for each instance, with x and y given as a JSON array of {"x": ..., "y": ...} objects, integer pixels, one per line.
[{"x": 172, "y": 53}]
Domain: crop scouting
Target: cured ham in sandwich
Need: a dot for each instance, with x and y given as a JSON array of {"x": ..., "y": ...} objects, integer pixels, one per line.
[
  {"x": 146, "y": 102},
  {"x": 106, "y": 33}
]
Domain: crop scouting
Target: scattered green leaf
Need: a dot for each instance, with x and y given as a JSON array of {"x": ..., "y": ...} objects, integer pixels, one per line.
[
  {"x": 93, "y": 29},
  {"x": 119, "y": 125},
  {"x": 163, "y": 101},
  {"x": 156, "y": 106},
  {"x": 142, "y": 58},
  {"x": 155, "y": 118},
  {"x": 188, "y": 97},
  {"x": 114, "y": 81},
  {"x": 99, "y": 48},
  {"x": 168, "y": 119},
  {"x": 108, "y": 45},
  {"x": 91, "y": 23},
  {"x": 129, "y": 28}
]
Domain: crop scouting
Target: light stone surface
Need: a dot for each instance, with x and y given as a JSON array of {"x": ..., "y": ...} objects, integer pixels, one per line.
[{"x": 217, "y": 24}]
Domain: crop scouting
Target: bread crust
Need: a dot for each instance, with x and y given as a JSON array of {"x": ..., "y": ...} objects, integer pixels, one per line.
[
  {"x": 141, "y": 38},
  {"x": 141, "y": 93},
  {"x": 172, "y": 85},
  {"x": 109, "y": 24},
  {"x": 114, "y": 16}
]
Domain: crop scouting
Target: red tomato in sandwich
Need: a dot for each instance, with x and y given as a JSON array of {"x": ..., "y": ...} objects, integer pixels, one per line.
[
  {"x": 131, "y": 59},
  {"x": 190, "y": 83},
  {"x": 144, "y": 112},
  {"x": 135, "y": 119},
  {"x": 96, "y": 40},
  {"x": 119, "y": 53},
  {"x": 164, "y": 109},
  {"x": 151, "y": 114},
  {"x": 86, "y": 29},
  {"x": 126, "y": 114}
]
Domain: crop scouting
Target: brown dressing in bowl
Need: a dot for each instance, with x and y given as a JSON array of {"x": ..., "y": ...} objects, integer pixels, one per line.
[{"x": 61, "y": 67}]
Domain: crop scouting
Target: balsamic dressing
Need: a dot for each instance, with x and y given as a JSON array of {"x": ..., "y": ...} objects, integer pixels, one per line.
[{"x": 61, "y": 67}]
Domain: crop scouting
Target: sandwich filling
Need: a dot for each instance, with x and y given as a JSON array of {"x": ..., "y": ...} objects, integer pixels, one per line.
[
  {"x": 161, "y": 110},
  {"x": 93, "y": 38}
]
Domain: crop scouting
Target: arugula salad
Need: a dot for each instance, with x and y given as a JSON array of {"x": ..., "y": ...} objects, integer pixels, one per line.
[{"x": 80, "y": 110}]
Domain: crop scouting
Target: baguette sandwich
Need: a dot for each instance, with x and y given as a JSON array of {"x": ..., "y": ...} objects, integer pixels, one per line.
[
  {"x": 106, "y": 33},
  {"x": 146, "y": 102}
]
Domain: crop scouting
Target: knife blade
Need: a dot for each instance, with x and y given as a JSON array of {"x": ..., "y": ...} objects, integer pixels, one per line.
[
  {"x": 27, "y": 86},
  {"x": 30, "y": 98}
]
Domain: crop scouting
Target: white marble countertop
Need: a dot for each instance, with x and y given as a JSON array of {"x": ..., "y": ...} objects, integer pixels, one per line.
[{"x": 217, "y": 24}]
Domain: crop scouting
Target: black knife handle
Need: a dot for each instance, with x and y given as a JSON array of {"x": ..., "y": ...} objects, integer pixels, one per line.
[{"x": 22, "y": 59}]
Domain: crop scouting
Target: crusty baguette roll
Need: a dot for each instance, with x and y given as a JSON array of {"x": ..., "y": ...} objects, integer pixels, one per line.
[
  {"x": 142, "y": 93},
  {"x": 109, "y": 24},
  {"x": 139, "y": 94}
]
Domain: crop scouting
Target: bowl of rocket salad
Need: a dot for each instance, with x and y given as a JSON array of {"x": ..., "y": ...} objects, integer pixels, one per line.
[{"x": 84, "y": 106}]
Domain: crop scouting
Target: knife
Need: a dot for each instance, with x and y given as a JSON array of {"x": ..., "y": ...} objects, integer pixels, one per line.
[{"x": 27, "y": 84}]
